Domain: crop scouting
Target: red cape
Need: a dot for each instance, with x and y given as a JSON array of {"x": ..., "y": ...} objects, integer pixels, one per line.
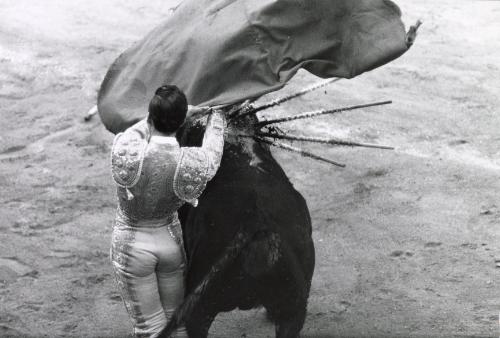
[{"x": 226, "y": 51}]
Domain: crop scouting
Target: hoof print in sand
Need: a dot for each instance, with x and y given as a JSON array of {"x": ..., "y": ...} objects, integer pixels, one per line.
[
  {"x": 432, "y": 244},
  {"x": 401, "y": 253}
]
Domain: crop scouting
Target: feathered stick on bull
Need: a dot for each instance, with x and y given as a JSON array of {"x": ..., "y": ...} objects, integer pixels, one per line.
[
  {"x": 318, "y": 113},
  {"x": 332, "y": 141},
  {"x": 250, "y": 109},
  {"x": 261, "y": 136},
  {"x": 298, "y": 150}
]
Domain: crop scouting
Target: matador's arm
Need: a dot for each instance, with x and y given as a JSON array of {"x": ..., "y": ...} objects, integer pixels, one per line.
[
  {"x": 198, "y": 165},
  {"x": 213, "y": 141}
]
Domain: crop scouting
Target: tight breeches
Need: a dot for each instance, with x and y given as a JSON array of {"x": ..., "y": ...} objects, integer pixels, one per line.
[{"x": 149, "y": 265}]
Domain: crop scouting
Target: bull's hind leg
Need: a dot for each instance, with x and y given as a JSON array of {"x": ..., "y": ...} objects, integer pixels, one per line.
[
  {"x": 199, "y": 323},
  {"x": 280, "y": 281},
  {"x": 290, "y": 319},
  {"x": 285, "y": 297}
]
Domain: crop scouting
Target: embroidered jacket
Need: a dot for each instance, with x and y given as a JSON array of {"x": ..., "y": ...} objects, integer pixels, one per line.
[{"x": 155, "y": 178}]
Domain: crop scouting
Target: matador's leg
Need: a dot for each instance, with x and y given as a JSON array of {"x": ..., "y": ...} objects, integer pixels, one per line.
[
  {"x": 134, "y": 269},
  {"x": 170, "y": 271}
]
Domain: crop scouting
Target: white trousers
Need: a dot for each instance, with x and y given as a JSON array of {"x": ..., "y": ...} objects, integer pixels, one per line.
[{"x": 148, "y": 262}]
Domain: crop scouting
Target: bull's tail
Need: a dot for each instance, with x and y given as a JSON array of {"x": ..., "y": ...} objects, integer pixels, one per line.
[{"x": 186, "y": 308}]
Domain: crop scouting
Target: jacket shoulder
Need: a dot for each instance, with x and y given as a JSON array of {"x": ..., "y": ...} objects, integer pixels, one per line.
[
  {"x": 191, "y": 174},
  {"x": 127, "y": 155}
]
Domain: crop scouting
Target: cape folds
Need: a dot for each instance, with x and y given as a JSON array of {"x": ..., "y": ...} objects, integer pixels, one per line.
[{"x": 225, "y": 51}]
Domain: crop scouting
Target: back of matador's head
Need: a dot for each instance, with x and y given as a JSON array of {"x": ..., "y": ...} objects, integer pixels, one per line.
[{"x": 167, "y": 109}]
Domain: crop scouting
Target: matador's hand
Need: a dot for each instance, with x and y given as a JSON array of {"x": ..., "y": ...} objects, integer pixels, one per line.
[{"x": 196, "y": 112}]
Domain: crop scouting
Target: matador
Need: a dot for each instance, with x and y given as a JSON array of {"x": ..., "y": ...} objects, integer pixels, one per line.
[{"x": 154, "y": 178}]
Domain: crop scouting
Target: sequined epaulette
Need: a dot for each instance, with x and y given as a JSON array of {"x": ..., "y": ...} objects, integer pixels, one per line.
[
  {"x": 127, "y": 155},
  {"x": 191, "y": 174}
]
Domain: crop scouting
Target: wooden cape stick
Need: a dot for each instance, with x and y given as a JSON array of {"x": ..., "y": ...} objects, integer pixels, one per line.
[
  {"x": 278, "y": 101},
  {"x": 319, "y": 113},
  {"x": 90, "y": 113},
  {"x": 324, "y": 140},
  {"x": 296, "y": 150}
]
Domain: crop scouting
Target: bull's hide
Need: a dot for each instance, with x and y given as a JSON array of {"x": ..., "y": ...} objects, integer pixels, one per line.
[{"x": 225, "y": 51}]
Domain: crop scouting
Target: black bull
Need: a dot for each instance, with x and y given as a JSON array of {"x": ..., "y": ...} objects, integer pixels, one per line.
[{"x": 248, "y": 241}]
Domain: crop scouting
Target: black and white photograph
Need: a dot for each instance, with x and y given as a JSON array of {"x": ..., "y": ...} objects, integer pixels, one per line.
[{"x": 249, "y": 168}]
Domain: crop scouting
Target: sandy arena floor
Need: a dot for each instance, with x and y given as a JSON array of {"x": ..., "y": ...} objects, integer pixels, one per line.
[{"x": 406, "y": 240}]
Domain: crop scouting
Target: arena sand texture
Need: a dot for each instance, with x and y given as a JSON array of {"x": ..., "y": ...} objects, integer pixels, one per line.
[{"x": 406, "y": 240}]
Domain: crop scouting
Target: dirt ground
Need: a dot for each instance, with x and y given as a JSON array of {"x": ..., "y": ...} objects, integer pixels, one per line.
[{"x": 406, "y": 240}]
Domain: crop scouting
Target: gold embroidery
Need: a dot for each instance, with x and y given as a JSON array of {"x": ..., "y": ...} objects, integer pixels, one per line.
[
  {"x": 198, "y": 165},
  {"x": 127, "y": 155}
]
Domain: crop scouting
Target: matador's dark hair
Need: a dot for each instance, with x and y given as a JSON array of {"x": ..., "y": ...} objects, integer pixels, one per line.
[{"x": 167, "y": 109}]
